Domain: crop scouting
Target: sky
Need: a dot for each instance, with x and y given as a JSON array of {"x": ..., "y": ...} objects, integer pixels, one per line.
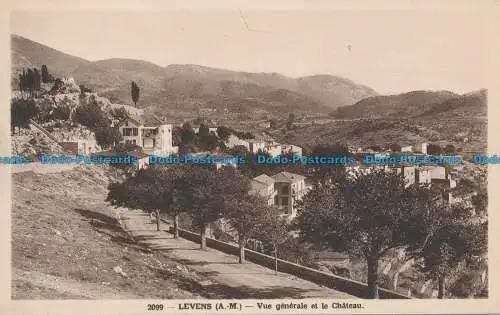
[{"x": 390, "y": 51}]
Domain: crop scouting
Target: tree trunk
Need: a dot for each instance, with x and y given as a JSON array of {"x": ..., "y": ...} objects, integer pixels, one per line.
[
  {"x": 275, "y": 259},
  {"x": 176, "y": 226},
  {"x": 372, "y": 263},
  {"x": 241, "y": 244},
  {"x": 441, "y": 287},
  {"x": 157, "y": 214},
  {"x": 203, "y": 237}
]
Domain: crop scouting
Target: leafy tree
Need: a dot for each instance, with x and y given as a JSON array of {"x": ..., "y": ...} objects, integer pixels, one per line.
[
  {"x": 187, "y": 133},
  {"x": 449, "y": 149},
  {"x": 434, "y": 149},
  {"x": 176, "y": 136},
  {"x": 207, "y": 192},
  {"x": 365, "y": 216},
  {"x": 325, "y": 174},
  {"x": 206, "y": 140},
  {"x": 200, "y": 198},
  {"x": 224, "y": 132},
  {"x": 21, "y": 111},
  {"x": 274, "y": 231},
  {"x": 290, "y": 121},
  {"x": 62, "y": 112},
  {"x": 45, "y": 74},
  {"x": 244, "y": 215},
  {"x": 294, "y": 250},
  {"x": 84, "y": 89},
  {"x": 273, "y": 124},
  {"x": 148, "y": 189},
  {"x": 119, "y": 114},
  {"x": 467, "y": 285},
  {"x": 107, "y": 136},
  {"x": 90, "y": 115},
  {"x": 480, "y": 201},
  {"x": 135, "y": 91},
  {"x": 447, "y": 237},
  {"x": 395, "y": 147},
  {"x": 173, "y": 197},
  {"x": 30, "y": 80},
  {"x": 204, "y": 131}
]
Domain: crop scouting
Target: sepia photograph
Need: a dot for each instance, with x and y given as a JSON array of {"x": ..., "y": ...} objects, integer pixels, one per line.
[{"x": 249, "y": 159}]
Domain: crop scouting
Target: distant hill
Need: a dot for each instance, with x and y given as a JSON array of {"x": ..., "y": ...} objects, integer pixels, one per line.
[
  {"x": 190, "y": 88},
  {"x": 400, "y": 105},
  {"x": 29, "y": 54},
  {"x": 473, "y": 104},
  {"x": 458, "y": 119}
]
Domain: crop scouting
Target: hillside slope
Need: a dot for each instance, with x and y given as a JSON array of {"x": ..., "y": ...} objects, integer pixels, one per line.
[
  {"x": 400, "y": 105},
  {"x": 461, "y": 121},
  {"x": 192, "y": 87},
  {"x": 28, "y": 54},
  {"x": 67, "y": 244}
]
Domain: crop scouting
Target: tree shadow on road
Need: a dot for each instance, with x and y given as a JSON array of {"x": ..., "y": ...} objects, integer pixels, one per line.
[
  {"x": 223, "y": 291},
  {"x": 99, "y": 220},
  {"x": 108, "y": 225}
]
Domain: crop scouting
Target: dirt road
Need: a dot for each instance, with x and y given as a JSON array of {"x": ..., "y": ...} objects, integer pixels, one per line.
[{"x": 247, "y": 280}]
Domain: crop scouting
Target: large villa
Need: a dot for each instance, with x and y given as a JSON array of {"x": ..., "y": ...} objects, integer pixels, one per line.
[{"x": 150, "y": 133}]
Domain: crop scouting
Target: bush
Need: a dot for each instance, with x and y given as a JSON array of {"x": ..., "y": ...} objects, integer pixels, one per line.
[
  {"x": 450, "y": 149},
  {"x": 395, "y": 147},
  {"x": 434, "y": 149},
  {"x": 84, "y": 89},
  {"x": 467, "y": 285},
  {"x": 90, "y": 115},
  {"x": 61, "y": 112},
  {"x": 107, "y": 136}
]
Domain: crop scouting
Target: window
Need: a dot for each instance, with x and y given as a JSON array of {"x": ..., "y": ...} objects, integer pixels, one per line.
[
  {"x": 135, "y": 132},
  {"x": 284, "y": 201},
  {"x": 154, "y": 143},
  {"x": 284, "y": 190},
  {"x": 134, "y": 142},
  {"x": 127, "y": 132}
]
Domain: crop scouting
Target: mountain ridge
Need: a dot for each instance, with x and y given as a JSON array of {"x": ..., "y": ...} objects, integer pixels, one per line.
[{"x": 198, "y": 84}]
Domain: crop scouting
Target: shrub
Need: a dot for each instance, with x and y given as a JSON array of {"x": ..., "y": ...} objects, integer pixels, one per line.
[
  {"x": 61, "y": 112},
  {"x": 90, "y": 115}
]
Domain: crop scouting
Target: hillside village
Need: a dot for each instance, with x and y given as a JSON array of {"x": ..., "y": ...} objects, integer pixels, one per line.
[
  {"x": 152, "y": 135},
  {"x": 54, "y": 115}
]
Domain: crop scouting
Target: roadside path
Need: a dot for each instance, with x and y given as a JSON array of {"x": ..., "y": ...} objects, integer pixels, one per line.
[{"x": 249, "y": 279}]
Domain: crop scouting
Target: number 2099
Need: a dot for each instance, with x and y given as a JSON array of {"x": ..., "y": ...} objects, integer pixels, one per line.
[{"x": 155, "y": 307}]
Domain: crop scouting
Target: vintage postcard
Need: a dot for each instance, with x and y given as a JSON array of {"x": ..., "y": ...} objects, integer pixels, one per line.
[{"x": 247, "y": 157}]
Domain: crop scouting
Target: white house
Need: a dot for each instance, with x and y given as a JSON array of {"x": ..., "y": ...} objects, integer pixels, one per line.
[
  {"x": 439, "y": 172},
  {"x": 233, "y": 141},
  {"x": 421, "y": 147},
  {"x": 289, "y": 188},
  {"x": 407, "y": 148},
  {"x": 153, "y": 135},
  {"x": 264, "y": 186},
  {"x": 424, "y": 175},
  {"x": 256, "y": 145}
]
